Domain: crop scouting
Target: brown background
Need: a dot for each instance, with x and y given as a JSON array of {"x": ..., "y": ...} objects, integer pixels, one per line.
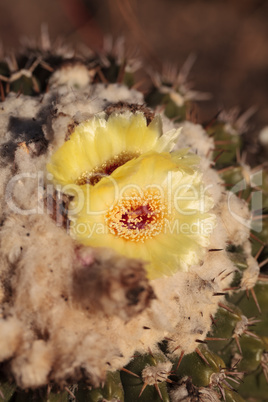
[{"x": 229, "y": 38}]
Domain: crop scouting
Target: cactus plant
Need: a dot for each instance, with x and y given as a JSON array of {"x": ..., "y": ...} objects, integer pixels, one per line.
[{"x": 130, "y": 239}]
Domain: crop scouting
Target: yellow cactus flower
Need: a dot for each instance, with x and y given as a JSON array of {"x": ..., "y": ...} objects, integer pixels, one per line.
[
  {"x": 153, "y": 207},
  {"x": 99, "y": 146}
]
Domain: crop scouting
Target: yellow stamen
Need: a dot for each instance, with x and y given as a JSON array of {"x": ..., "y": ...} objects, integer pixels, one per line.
[
  {"x": 95, "y": 175},
  {"x": 137, "y": 218}
]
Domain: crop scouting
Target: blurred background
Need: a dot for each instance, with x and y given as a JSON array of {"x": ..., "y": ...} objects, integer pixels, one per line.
[{"x": 228, "y": 37}]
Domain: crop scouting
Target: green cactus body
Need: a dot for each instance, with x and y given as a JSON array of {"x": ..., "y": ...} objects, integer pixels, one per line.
[
  {"x": 134, "y": 386},
  {"x": 111, "y": 390},
  {"x": 228, "y": 140}
]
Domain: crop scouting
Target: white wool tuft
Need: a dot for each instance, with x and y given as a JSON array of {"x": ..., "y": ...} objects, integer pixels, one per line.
[
  {"x": 11, "y": 337},
  {"x": 195, "y": 137},
  {"x": 235, "y": 217},
  {"x": 32, "y": 367}
]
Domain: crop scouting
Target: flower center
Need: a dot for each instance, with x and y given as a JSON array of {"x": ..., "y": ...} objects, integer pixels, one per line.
[
  {"x": 95, "y": 175},
  {"x": 137, "y": 218}
]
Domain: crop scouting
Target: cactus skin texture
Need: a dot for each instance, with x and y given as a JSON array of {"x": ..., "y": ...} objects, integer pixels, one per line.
[{"x": 230, "y": 362}]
